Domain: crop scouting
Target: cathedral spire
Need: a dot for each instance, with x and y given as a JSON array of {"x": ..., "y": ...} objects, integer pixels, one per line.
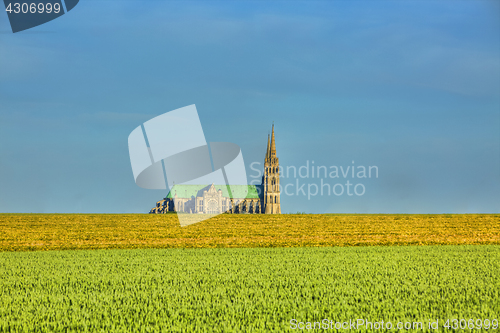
[
  {"x": 273, "y": 145},
  {"x": 268, "y": 151},
  {"x": 271, "y": 178}
]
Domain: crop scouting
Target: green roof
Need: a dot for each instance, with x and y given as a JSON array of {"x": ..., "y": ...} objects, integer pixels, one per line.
[{"x": 238, "y": 191}]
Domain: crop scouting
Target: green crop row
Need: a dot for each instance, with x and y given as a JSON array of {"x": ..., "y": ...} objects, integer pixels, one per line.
[{"x": 245, "y": 290}]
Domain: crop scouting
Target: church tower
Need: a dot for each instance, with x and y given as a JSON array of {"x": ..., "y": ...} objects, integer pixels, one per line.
[{"x": 271, "y": 178}]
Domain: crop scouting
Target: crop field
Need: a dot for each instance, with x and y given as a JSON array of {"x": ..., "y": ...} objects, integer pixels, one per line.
[
  {"x": 252, "y": 289},
  {"x": 28, "y": 232}
]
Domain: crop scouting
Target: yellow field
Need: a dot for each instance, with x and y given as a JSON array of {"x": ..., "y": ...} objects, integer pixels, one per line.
[{"x": 22, "y": 232}]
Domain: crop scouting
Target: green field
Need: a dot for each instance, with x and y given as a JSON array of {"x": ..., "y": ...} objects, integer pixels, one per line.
[{"x": 253, "y": 289}]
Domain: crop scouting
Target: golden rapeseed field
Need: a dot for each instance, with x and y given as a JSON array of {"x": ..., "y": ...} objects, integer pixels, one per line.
[{"x": 28, "y": 232}]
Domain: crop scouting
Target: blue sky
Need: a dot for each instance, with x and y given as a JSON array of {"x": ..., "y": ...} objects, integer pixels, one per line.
[{"x": 412, "y": 87}]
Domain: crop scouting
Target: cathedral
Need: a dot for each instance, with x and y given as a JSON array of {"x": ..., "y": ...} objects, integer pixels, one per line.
[{"x": 238, "y": 199}]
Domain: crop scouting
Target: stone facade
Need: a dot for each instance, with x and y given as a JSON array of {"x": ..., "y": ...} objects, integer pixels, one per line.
[{"x": 216, "y": 199}]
